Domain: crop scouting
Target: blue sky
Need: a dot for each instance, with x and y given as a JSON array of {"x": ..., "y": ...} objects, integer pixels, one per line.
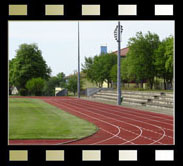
[{"x": 58, "y": 39}]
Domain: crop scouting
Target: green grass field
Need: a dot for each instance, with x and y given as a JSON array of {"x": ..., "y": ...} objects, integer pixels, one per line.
[{"x": 35, "y": 119}]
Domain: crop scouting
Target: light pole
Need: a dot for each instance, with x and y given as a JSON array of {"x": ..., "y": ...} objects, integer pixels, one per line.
[
  {"x": 78, "y": 84},
  {"x": 117, "y": 35}
]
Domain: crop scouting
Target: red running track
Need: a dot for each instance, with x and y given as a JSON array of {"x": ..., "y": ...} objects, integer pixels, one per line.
[{"x": 117, "y": 125}]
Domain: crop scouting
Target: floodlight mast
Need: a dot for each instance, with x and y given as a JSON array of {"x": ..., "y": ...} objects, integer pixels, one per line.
[{"x": 117, "y": 35}]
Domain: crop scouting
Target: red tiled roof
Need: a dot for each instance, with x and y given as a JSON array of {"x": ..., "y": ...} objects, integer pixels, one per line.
[{"x": 123, "y": 51}]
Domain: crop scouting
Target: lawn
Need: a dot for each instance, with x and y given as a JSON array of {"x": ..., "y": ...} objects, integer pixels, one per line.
[{"x": 35, "y": 119}]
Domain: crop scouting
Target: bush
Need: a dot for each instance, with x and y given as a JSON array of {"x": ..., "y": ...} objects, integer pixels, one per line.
[
  {"x": 72, "y": 84},
  {"x": 22, "y": 92},
  {"x": 157, "y": 84},
  {"x": 35, "y": 86}
]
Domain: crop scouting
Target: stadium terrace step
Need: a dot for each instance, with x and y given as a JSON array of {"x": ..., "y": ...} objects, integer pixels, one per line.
[
  {"x": 105, "y": 93},
  {"x": 150, "y": 99},
  {"x": 166, "y": 98},
  {"x": 105, "y": 97},
  {"x": 127, "y": 99},
  {"x": 134, "y": 102},
  {"x": 138, "y": 96},
  {"x": 169, "y": 95},
  {"x": 135, "y": 99},
  {"x": 133, "y": 93},
  {"x": 163, "y": 106},
  {"x": 158, "y": 101}
]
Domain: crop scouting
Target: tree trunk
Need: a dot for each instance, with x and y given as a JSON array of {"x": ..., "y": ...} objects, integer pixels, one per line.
[
  {"x": 142, "y": 84},
  {"x": 164, "y": 84},
  {"x": 151, "y": 84},
  {"x": 137, "y": 84},
  {"x": 111, "y": 84},
  {"x": 171, "y": 82},
  {"x": 151, "y": 81},
  {"x": 108, "y": 84}
]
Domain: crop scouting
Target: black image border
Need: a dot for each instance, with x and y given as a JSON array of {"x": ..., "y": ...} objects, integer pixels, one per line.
[{"x": 73, "y": 154}]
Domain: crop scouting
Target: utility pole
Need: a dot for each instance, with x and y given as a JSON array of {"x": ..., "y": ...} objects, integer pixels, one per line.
[
  {"x": 78, "y": 84},
  {"x": 117, "y": 34}
]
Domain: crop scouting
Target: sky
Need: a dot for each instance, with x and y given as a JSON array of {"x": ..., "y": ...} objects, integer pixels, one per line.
[{"x": 58, "y": 40}]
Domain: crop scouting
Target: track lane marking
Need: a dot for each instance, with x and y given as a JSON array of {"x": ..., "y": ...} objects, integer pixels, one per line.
[
  {"x": 107, "y": 112},
  {"x": 146, "y": 122},
  {"x": 131, "y": 110},
  {"x": 138, "y": 116},
  {"x": 163, "y": 135},
  {"x": 101, "y": 121},
  {"x": 154, "y": 141}
]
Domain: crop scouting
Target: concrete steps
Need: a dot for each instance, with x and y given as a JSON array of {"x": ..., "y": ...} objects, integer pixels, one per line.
[
  {"x": 161, "y": 101},
  {"x": 105, "y": 97},
  {"x": 159, "y": 105},
  {"x": 149, "y": 99}
]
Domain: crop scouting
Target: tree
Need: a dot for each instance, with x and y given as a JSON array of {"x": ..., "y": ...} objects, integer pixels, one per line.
[
  {"x": 27, "y": 64},
  {"x": 87, "y": 69},
  {"x": 11, "y": 69},
  {"x": 72, "y": 84},
  {"x": 62, "y": 80},
  {"x": 35, "y": 86},
  {"x": 97, "y": 69},
  {"x": 141, "y": 57},
  {"x": 125, "y": 76},
  {"x": 164, "y": 60},
  {"x": 113, "y": 73},
  {"x": 169, "y": 62},
  {"x": 50, "y": 84},
  {"x": 109, "y": 60},
  {"x": 56, "y": 81}
]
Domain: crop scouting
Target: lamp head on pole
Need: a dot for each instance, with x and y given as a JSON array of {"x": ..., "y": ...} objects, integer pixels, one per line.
[
  {"x": 116, "y": 32},
  {"x": 121, "y": 29}
]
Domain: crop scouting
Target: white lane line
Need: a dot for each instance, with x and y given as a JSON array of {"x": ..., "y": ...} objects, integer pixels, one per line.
[
  {"x": 96, "y": 119},
  {"x": 141, "y": 136},
  {"x": 129, "y": 110},
  {"x": 138, "y": 135},
  {"x": 111, "y": 137},
  {"x": 132, "y": 114},
  {"x": 168, "y": 129},
  {"x": 163, "y": 135},
  {"x": 160, "y": 137},
  {"x": 127, "y": 123},
  {"x": 107, "y": 122},
  {"x": 133, "y": 120},
  {"x": 114, "y": 135},
  {"x": 156, "y": 132},
  {"x": 110, "y": 132},
  {"x": 145, "y": 118}
]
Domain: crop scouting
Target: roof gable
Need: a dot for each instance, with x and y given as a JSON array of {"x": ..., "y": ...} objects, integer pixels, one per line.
[{"x": 123, "y": 52}]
